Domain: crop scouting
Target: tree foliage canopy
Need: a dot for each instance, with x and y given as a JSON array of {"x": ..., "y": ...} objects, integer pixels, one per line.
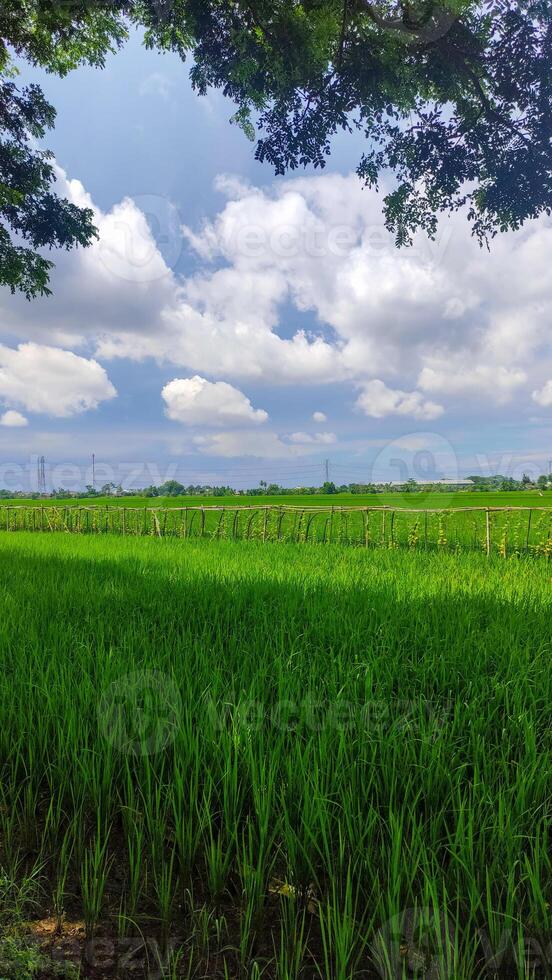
[
  {"x": 453, "y": 97},
  {"x": 58, "y": 37}
]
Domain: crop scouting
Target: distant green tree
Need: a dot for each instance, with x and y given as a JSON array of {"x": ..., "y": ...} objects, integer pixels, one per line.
[
  {"x": 171, "y": 488},
  {"x": 328, "y": 487}
]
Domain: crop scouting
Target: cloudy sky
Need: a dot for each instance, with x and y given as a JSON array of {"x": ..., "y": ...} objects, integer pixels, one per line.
[{"x": 231, "y": 326}]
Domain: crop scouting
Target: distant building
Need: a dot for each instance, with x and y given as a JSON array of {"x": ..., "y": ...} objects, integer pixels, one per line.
[{"x": 433, "y": 483}]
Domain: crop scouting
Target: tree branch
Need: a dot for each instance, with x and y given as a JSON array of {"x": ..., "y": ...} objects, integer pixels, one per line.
[
  {"x": 426, "y": 32},
  {"x": 339, "y": 59},
  {"x": 493, "y": 113}
]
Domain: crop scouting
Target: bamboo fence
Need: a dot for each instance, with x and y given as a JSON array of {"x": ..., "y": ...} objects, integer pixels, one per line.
[{"x": 501, "y": 530}]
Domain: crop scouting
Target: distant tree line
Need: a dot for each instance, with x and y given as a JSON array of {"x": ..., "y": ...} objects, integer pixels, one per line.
[
  {"x": 499, "y": 482},
  {"x": 172, "y": 488}
]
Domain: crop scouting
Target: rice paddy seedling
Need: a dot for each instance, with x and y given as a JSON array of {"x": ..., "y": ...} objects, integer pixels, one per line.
[
  {"x": 290, "y": 947},
  {"x": 19, "y": 888},
  {"x": 292, "y": 761},
  {"x": 94, "y": 876},
  {"x": 341, "y": 928},
  {"x": 218, "y": 860},
  {"x": 60, "y": 872}
]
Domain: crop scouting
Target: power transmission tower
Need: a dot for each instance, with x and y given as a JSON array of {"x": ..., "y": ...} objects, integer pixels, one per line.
[
  {"x": 94, "y": 471},
  {"x": 41, "y": 474},
  {"x": 327, "y": 470}
]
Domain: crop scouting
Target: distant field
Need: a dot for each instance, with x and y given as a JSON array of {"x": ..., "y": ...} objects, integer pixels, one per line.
[
  {"x": 502, "y": 523},
  {"x": 276, "y": 761},
  {"x": 420, "y": 500}
]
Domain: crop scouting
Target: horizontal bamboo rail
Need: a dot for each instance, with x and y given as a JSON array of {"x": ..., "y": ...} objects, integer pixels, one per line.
[{"x": 503, "y": 530}]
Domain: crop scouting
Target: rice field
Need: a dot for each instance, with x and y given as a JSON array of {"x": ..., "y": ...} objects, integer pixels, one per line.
[
  {"x": 419, "y": 499},
  {"x": 251, "y": 759},
  {"x": 504, "y": 530}
]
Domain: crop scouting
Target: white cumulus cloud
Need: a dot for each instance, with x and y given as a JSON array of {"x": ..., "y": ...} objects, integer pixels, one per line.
[
  {"x": 263, "y": 445},
  {"x": 543, "y": 396},
  {"x": 299, "y": 283},
  {"x": 460, "y": 374},
  {"x": 197, "y": 401},
  {"x": 51, "y": 381},
  {"x": 13, "y": 420},
  {"x": 305, "y": 438},
  {"x": 319, "y": 417},
  {"x": 377, "y": 400}
]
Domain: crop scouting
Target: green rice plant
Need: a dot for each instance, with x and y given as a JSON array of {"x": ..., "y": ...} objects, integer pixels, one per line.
[
  {"x": 341, "y": 930},
  {"x": 290, "y": 948},
  {"x": 94, "y": 877},
  {"x": 19, "y": 888},
  {"x": 188, "y": 816},
  {"x": 136, "y": 875},
  {"x": 248, "y": 937},
  {"x": 346, "y": 737},
  {"x": 60, "y": 875},
  {"x": 218, "y": 858},
  {"x": 165, "y": 879}
]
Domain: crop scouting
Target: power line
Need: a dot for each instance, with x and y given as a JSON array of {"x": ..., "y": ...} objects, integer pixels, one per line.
[
  {"x": 275, "y": 471},
  {"x": 250, "y": 470}
]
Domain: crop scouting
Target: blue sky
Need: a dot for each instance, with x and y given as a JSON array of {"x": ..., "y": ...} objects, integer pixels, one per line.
[{"x": 231, "y": 326}]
